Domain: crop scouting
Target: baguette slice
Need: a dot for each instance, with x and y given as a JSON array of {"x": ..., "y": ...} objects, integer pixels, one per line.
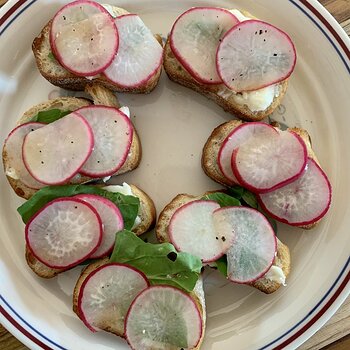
[
  {"x": 265, "y": 285},
  {"x": 197, "y": 294},
  {"x": 219, "y": 93},
  {"x": 147, "y": 216},
  {"x": 215, "y": 140},
  {"x": 100, "y": 96},
  {"x": 52, "y": 71}
]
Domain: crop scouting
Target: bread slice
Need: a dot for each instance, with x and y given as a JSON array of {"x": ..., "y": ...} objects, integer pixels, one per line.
[
  {"x": 265, "y": 285},
  {"x": 147, "y": 214},
  {"x": 197, "y": 294},
  {"x": 215, "y": 140},
  {"x": 52, "y": 71},
  {"x": 100, "y": 95},
  {"x": 219, "y": 93}
]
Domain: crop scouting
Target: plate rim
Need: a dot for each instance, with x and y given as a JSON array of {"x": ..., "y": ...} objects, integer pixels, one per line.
[{"x": 331, "y": 29}]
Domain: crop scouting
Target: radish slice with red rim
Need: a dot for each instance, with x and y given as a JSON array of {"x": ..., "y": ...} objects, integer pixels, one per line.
[
  {"x": 106, "y": 295},
  {"x": 195, "y": 37},
  {"x": 15, "y": 167},
  {"x": 269, "y": 161},
  {"x": 163, "y": 317},
  {"x": 236, "y": 138},
  {"x": 113, "y": 133},
  {"x": 253, "y": 251},
  {"x": 112, "y": 222},
  {"x": 64, "y": 233},
  {"x": 54, "y": 153},
  {"x": 139, "y": 55},
  {"x": 84, "y": 38},
  {"x": 255, "y": 54},
  {"x": 302, "y": 202},
  {"x": 192, "y": 230}
]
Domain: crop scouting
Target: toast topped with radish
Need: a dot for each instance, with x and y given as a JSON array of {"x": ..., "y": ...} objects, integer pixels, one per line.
[
  {"x": 241, "y": 63},
  {"x": 226, "y": 235},
  {"x": 153, "y": 308},
  {"x": 87, "y": 42},
  {"x": 66, "y": 225},
  {"x": 70, "y": 140},
  {"x": 279, "y": 166}
]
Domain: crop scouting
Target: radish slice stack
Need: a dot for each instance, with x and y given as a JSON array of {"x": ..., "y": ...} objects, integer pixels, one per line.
[
  {"x": 64, "y": 233},
  {"x": 87, "y": 41},
  {"x": 163, "y": 317},
  {"x": 106, "y": 295},
  {"x": 195, "y": 37},
  {"x": 13, "y": 151}
]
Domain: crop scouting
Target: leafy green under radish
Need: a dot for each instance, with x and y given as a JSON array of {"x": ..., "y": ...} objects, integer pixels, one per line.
[
  {"x": 163, "y": 317},
  {"x": 255, "y": 54},
  {"x": 302, "y": 202},
  {"x": 106, "y": 295},
  {"x": 64, "y": 233}
]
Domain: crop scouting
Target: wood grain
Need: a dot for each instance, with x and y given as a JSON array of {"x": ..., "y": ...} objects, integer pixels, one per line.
[{"x": 335, "y": 335}]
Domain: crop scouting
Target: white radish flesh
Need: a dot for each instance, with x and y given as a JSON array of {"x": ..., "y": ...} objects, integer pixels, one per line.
[
  {"x": 236, "y": 138},
  {"x": 191, "y": 229},
  {"x": 270, "y": 161},
  {"x": 13, "y": 149},
  {"x": 54, "y": 153},
  {"x": 139, "y": 55},
  {"x": 112, "y": 222},
  {"x": 253, "y": 251},
  {"x": 255, "y": 54},
  {"x": 64, "y": 233},
  {"x": 195, "y": 37},
  {"x": 84, "y": 38},
  {"x": 113, "y": 134},
  {"x": 163, "y": 317},
  {"x": 302, "y": 202},
  {"x": 106, "y": 295}
]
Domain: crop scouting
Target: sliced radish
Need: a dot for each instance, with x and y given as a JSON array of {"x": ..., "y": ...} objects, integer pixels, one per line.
[
  {"x": 112, "y": 222},
  {"x": 195, "y": 37},
  {"x": 54, "y": 153},
  {"x": 302, "y": 202},
  {"x": 255, "y": 54},
  {"x": 191, "y": 229},
  {"x": 236, "y": 138},
  {"x": 253, "y": 251},
  {"x": 84, "y": 38},
  {"x": 13, "y": 149},
  {"x": 163, "y": 317},
  {"x": 64, "y": 232},
  {"x": 106, "y": 295},
  {"x": 269, "y": 161},
  {"x": 113, "y": 134},
  {"x": 139, "y": 55}
]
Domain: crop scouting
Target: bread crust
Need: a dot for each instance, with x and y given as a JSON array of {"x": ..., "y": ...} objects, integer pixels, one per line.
[
  {"x": 263, "y": 284},
  {"x": 52, "y": 71},
  {"x": 177, "y": 73}
]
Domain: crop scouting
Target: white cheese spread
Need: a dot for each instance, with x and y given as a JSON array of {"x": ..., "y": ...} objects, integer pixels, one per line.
[{"x": 276, "y": 274}]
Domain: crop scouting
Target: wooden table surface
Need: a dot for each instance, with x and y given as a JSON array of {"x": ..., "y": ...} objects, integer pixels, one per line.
[{"x": 335, "y": 334}]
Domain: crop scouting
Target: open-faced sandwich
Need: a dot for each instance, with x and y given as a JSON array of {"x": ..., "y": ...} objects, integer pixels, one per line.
[
  {"x": 240, "y": 62},
  {"x": 86, "y": 42}
]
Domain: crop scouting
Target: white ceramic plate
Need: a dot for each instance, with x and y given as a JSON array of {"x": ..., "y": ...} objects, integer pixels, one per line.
[{"x": 174, "y": 123}]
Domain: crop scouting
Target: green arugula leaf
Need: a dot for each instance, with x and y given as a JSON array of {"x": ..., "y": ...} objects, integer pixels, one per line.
[
  {"x": 250, "y": 199},
  {"x": 221, "y": 265},
  {"x": 224, "y": 200},
  {"x": 49, "y": 116},
  {"x": 128, "y": 205},
  {"x": 161, "y": 263},
  {"x": 236, "y": 191},
  {"x": 51, "y": 56}
]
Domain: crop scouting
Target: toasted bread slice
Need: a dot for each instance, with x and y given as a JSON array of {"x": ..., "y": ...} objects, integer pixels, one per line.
[
  {"x": 215, "y": 140},
  {"x": 52, "y": 71},
  {"x": 265, "y": 285},
  {"x": 147, "y": 215},
  {"x": 197, "y": 294},
  {"x": 100, "y": 95},
  {"x": 219, "y": 93}
]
